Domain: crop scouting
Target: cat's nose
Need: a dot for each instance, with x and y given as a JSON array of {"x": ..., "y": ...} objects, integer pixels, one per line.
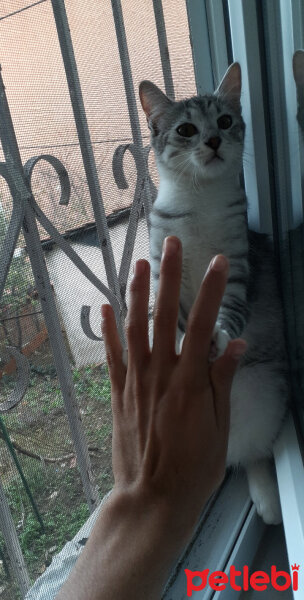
[{"x": 214, "y": 142}]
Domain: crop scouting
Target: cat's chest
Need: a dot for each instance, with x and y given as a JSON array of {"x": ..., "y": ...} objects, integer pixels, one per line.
[
  {"x": 208, "y": 216},
  {"x": 201, "y": 240},
  {"x": 199, "y": 230}
]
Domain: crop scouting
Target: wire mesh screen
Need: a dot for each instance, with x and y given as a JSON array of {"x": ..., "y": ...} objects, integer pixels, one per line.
[{"x": 38, "y": 462}]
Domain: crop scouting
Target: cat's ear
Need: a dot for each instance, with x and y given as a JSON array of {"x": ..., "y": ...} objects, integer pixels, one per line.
[
  {"x": 298, "y": 68},
  {"x": 231, "y": 86},
  {"x": 153, "y": 101}
]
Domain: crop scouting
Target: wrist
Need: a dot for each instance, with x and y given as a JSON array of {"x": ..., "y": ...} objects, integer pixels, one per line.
[
  {"x": 163, "y": 519},
  {"x": 140, "y": 534}
]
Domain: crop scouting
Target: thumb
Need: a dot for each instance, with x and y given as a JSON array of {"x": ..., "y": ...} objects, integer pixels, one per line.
[{"x": 222, "y": 373}]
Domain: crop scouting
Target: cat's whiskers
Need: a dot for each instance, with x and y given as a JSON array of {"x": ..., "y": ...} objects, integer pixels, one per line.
[
  {"x": 193, "y": 181},
  {"x": 182, "y": 165}
]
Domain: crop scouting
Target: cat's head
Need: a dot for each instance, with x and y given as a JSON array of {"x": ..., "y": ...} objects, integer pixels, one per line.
[{"x": 201, "y": 137}]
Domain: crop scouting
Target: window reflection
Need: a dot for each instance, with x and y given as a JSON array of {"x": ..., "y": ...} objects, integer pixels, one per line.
[{"x": 294, "y": 246}]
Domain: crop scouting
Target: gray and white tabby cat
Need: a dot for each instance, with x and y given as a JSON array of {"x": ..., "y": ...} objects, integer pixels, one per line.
[{"x": 198, "y": 145}]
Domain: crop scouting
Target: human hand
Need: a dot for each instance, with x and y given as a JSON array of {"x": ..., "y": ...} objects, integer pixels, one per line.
[{"x": 170, "y": 412}]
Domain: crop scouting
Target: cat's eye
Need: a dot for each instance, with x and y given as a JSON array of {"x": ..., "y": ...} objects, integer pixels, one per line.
[
  {"x": 224, "y": 121},
  {"x": 187, "y": 130}
]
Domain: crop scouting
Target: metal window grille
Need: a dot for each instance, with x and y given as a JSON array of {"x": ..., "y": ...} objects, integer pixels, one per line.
[{"x": 75, "y": 190}]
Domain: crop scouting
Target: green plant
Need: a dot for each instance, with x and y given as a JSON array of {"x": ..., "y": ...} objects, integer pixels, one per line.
[
  {"x": 104, "y": 431},
  {"x": 94, "y": 383},
  {"x": 60, "y": 522}
]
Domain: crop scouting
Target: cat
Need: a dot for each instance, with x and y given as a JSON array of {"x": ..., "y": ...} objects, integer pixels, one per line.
[{"x": 198, "y": 144}]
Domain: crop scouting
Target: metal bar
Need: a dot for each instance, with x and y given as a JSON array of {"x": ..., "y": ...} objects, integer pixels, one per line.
[
  {"x": 9, "y": 242},
  {"x": 4, "y": 563},
  {"x": 17, "y": 186},
  {"x": 126, "y": 71},
  {"x": 16, "y": 12},
  {"x": 8, "y": 529},
  {"x": 142, "y": 192},
  {"x": 22, "y": 193},
  {"x": 11, "y": 448},
  {"x": 71, "y": 71},
  {"x": 163, "y": 47},
  {"x": 61, "y": 359}
]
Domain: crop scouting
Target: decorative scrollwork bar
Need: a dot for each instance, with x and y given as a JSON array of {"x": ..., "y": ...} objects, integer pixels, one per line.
[{"x": 19, "y": 181}]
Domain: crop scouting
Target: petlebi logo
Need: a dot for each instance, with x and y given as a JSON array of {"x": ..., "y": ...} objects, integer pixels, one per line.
[{"x": 242, "y": 580}]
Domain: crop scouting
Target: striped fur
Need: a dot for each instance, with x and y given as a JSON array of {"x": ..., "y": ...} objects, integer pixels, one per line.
[{"x": 200, "y": 200}]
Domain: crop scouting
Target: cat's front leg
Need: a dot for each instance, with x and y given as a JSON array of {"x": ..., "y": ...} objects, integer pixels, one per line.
[{"x": 234, "y": 312}]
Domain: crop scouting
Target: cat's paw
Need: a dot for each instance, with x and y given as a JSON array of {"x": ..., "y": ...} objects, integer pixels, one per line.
[
  {"x": 269, "y": 508},
  {"x": 264, "y": 491},
  {"x": 220, "y": 339}
]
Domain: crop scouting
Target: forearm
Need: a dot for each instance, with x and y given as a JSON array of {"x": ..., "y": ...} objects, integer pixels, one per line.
[{"x": 129, "y": 554}]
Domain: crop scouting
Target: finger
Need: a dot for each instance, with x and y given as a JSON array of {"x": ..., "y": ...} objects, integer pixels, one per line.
[
  {"x": 137, "y": 317},
  {"x": 114, "y": 351},
  {"x": 222, "y": 372},
  {"x": 204, "y": 313},
  {"x": 167, "y": 302}
]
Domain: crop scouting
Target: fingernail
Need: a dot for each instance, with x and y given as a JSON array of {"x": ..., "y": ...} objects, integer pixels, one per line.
[
  {"x": 139, "y": 267},
  {"x": 219, "y": 263},
  {"x": 171, "y": 246},
  {"x": 104, "y": 308},
  {"x": 238, "y": 349}
]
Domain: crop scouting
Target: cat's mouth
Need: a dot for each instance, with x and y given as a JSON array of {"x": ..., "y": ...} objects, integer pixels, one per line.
[{"x": 215, "y": 157}]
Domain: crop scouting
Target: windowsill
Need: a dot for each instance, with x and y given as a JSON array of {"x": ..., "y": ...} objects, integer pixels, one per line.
[
  {"x": 290, "y": 473},
  {"x": 229, "y": 533},
  {"x": 230, "y": 530}
]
